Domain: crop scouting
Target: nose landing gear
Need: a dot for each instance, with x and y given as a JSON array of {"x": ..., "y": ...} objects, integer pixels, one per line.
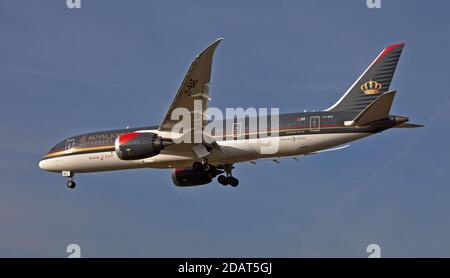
[{"x": 70, "y": 183}]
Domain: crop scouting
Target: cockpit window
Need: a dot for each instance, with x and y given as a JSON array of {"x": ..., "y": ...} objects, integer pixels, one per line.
[
  {"x": 58, "y": 147},
  {"x": 70, "y": 143}
]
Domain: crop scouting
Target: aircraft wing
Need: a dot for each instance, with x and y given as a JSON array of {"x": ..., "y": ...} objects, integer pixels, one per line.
[
  {"x": 195, "y": 86},
  {"x": 330, "y": 149},
  {"x": 296, "y": 157}
]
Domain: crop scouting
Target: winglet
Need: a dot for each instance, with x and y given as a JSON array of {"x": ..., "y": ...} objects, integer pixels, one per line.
[{"x": 211, "y": 48}]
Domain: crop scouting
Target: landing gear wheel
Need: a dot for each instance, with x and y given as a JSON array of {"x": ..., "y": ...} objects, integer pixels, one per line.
[
  {"x": 228, "y": 179},
  {"x": 205, "y": 164},
  {"x": 222, "y": 180},
  {"x": 206, "y": 167},
  {"x": 202, "y": 166},
  {"x": 197, "y": 166},
  {"x": 233, "y": 181},
  {"x": 71, "y": 184}
]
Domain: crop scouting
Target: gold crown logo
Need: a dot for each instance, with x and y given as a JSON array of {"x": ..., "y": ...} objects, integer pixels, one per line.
[{"x": 371, "y": 87}]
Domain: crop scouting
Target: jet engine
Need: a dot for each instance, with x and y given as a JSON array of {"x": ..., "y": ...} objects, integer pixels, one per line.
[
  {"x": 139, "y": 145},
  {"x": 191, "y": 177}
]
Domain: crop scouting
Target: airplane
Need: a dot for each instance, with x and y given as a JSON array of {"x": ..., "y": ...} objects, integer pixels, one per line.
[{"x": 363, "y": 110}]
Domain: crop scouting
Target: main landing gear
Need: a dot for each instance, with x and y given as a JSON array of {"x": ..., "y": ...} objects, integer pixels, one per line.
[
  {"x": 70, "y": 182},
  {"x": 227, "y": 179},
  {"x": 201, "y": 166}
]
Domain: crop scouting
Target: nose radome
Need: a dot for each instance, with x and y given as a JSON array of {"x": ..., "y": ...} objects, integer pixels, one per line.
[
  {"x": 48, "y": 165},
  {"x": 42, "y": 165}
]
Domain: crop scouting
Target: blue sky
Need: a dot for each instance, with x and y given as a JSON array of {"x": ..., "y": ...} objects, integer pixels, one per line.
[{"x": 116, "y": 63}]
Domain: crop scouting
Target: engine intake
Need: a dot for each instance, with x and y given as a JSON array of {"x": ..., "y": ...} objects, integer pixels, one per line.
[{"x": 138, "y": 145}]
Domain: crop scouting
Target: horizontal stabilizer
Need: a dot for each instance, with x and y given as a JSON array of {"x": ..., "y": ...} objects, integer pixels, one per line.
[
  {"x": 377, "y": 110},
  {"x": 408, "y": 125}
]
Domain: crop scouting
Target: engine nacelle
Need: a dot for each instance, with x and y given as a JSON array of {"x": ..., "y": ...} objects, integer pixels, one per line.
[
  {"x": 138, "y": 145},
  {"x": 191, "y": 177}
]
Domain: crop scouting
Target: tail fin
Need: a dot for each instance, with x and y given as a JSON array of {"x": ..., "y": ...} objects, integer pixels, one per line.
[{"x": 375, "y": 81}]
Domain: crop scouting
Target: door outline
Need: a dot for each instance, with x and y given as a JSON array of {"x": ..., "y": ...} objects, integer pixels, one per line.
[{"x": 312, "y": 125}]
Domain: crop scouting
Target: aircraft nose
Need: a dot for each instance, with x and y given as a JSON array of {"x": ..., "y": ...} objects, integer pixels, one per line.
[
  {"x": 43, "y": 165},
  {"x": 48, "y": 165}
]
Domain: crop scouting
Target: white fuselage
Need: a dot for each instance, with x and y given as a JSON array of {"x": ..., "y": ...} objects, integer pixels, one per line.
[{"x": 233, "y": 151}]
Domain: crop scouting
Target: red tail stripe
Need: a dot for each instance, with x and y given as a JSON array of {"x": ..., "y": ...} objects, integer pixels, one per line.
[{"x": 389, "y": 49}]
